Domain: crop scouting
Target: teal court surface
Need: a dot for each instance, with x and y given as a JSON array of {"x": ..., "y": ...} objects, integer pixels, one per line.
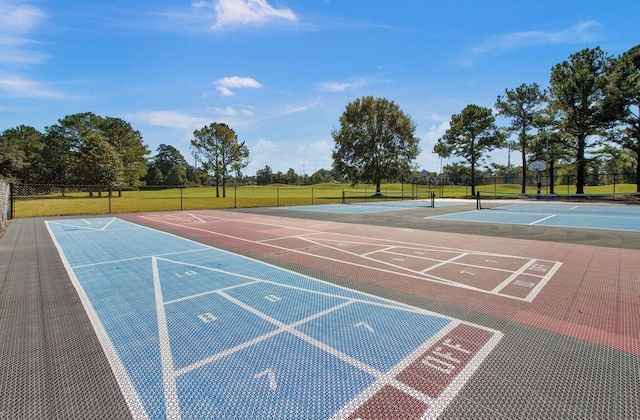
[
  {"x": 373, "y": 206},
  {"x": 573, "y": 215},
  {"x": 191, "y": 331}
]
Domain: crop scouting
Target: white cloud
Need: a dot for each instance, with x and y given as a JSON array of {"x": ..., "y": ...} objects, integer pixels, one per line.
[
  {"x": 295, "y": 109},
  {"x": 427, "y": 159},
  {"x": 307, "y": 156},
  {"x": 435, "y": 132},
  {"x": 263, "y": 146},
  {"x": 245, "y": 12},
  {"x": 19, "y": 87},
  {"x": 227, "y": 112},
  {"x": 170, "y": 119},
  {"x": 225, "y": 84},
  {"x": 581, "y": 32},
  {"x": 17, "y": 20},
  {"x": 340, "y": 87}
]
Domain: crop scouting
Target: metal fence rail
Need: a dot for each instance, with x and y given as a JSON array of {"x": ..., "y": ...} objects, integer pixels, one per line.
[{"x": 31, "y": 200}]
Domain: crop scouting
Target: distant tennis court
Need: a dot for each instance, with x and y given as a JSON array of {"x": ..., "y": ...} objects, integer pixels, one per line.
[
  {"x": 574, "y": 215},
  {"x": 374, "y": 206}
]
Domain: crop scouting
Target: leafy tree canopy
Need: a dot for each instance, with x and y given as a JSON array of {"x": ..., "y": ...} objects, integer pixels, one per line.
[
  {"x": 220, "y": 151},
  {"x": 581, "y": 91},
  {"x": 375, "y": 141},
  {"x": 471, "y": 135},
  {"x": 523, "y": 106}
]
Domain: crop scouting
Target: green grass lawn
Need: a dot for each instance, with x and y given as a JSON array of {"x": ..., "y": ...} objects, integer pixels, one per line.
[{"x": 79, "y": 203}]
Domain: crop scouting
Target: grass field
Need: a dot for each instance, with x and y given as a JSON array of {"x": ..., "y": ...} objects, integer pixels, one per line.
[
  {"x": 196, "y": 198},
  {"x": 168, "y": 199}
]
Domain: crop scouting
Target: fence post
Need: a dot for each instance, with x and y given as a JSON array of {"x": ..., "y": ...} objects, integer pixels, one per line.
[
  {"x": 235, "y": 197},
  {"x": 109, "y": 192},
  {"x": 277, "y": 196},
  {"x": 312, "y": 196},
  {"x": 181, "y": 188}
]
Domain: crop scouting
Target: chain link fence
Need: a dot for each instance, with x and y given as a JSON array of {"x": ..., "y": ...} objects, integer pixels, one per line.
[
  {"x": 505, "y": 185},
  {"x": 31, "y": 200},
  {"x": 5, "y": 204}
]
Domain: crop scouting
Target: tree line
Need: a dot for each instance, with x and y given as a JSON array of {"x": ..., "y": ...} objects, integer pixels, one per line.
[
  {"x": 87, "y": 149},
  {"x": 587, "y": 118},
  {"x": 589, "y": 113}
]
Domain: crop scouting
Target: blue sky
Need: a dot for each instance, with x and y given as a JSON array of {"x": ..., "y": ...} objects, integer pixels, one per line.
[{"x": 280, "y": 72}]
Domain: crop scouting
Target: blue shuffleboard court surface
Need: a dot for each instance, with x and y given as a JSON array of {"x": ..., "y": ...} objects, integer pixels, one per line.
[
  {"x": 612, "y": 217},
  {"x": 191, "y": 331}
]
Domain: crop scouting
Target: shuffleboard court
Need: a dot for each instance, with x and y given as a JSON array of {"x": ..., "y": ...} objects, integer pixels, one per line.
[
  {"x": 524, "y": 281},
  {"x": 610, "y": 217},
  {"x": 192, "y": 331}
]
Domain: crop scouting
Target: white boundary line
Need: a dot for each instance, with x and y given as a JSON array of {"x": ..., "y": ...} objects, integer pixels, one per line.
[
  {"x": 405, "y": 272},
  {"x": 542, "y": 220},
  {"x": 171, "y": 400},
  {"x": 169, "y": 375},
  {"x": 117, "y": 367}
]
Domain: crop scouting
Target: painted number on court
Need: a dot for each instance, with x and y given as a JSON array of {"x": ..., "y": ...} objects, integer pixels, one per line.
[
  {"x": 186, "y": 273},
  {"x": 273, "y": 298},
  {"x": 207, "y": 317},
  {"x": 446, "y": 357},
  {"x": 270, "y": 375}
]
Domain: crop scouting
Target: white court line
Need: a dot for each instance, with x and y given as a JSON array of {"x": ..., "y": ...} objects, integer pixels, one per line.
[
  {"x": 445, "y": 262},
  {"x": 424, "y": 277},
  {"x": 310, "y": 340},
  {"x": 254, "y": 280},
  {"x": 171, "y": 401},
  {"x": 196, "y": 217},
  {"x": 414, "y": 274},
  {"x": 320, "y": 232},
  {"x": 113, "y": 219},
  {"x": 129, "y": 391},
  {"x": 534, "y": 292},
  {"x": 144, "y": 257},
  {"x": 85, "y": 228},
  {"x": 542, "y": 220},
  {"x": 515, "y": 274},
  {"x": 246, "y": 344},
  {"x": 388, "y": 248},
  {"x": 461, "y": 379},
  {"x": 169, "y": 382}
]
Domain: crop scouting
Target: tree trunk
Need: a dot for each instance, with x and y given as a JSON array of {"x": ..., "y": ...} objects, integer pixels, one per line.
[
  {"x": 551, "y": 177},
  {"x": 473, "y": 179},
  {"x": 224, "y": 186},
  {"x": 638, "y": 173},
  {"x": 581, "y": 170},
  {"x": 524, "y": 167}
]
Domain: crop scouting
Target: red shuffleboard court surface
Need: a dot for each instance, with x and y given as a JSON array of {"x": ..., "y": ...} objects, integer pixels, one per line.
[{"x": 584, "y": 292}]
